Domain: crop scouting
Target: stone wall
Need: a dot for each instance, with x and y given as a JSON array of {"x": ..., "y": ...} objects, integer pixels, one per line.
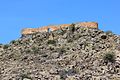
[
  {"x": 88, "y": 24},
  {"x": 53, "y": 28}
]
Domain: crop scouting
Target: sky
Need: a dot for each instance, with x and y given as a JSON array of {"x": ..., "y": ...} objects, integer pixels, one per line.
[{"x": 18, "y": 14}]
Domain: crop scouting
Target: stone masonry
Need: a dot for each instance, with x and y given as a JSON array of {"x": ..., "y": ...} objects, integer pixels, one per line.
[{"x": 54, "y": 27}]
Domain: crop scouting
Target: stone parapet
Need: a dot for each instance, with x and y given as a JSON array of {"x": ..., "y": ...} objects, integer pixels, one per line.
[{"x": 53, "y": 28}]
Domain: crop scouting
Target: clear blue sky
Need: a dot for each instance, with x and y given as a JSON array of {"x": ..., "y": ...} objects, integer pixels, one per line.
[{"x": 18, "y": 14}]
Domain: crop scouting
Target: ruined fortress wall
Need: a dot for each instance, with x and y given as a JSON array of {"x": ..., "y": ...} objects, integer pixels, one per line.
[
  {"x": 53, "y": 28},
  {"x": 88, "y": 24},
  {"x": 26, "y": 31}
]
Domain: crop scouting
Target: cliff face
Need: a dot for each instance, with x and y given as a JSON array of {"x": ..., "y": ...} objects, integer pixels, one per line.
[
  {"x": 73, "y": 53},
  {"x": 53, "y": 28}
]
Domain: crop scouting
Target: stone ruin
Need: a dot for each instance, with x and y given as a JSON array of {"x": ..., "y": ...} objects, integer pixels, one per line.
[{"x": 27, "y": 31}]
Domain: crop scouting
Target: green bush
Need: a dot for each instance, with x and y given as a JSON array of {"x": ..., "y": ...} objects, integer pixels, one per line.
[
  {"x": 25, "y": 76},
  {"x": 109, "y": 32},
  {"x": 28, "y": 51},
  {"x": 61, "y": 32},
  {"x": 13, "y": 41},
  {"x": 35, "y": 49},
  {"x": 51, "y": 42},
  {"x": 72, "y": 28},
  {"x": 1, "y": 45},
  {"x": 109, "y": 57},
  {"x": 5, "y": 46}
]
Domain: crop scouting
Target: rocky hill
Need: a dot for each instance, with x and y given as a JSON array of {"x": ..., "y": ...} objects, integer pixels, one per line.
[{"x": 74, "y": 53}]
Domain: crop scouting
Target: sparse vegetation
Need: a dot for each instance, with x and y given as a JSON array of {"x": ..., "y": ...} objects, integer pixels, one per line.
[
  {"x": 35, "y": 49},
  {"x": 1, "y": 45},
  {"x": 72, "y": 28},
  {"x": 25, "y": 77},
  {"x": 61, "y": 32},
  {"x": 80, "y": 53},
  {"x": 51, "y": 42},
  {"x": 109, "y": 57},
  {"x": 28, "y": 51},
  {"x": 109, "y": 32},
  {"x": 13, "y": 41},
  {"x": 5, "y": 46}
]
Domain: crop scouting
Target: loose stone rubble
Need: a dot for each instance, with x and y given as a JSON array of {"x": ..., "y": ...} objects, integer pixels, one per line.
[{"x": 61, "y": 55}]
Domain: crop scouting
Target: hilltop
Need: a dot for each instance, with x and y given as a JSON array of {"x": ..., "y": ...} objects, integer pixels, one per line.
[{"x": 72, "y": 53}]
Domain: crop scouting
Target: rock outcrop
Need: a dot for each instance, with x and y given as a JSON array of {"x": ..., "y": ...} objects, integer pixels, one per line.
[{"x": 73, "y": 53}]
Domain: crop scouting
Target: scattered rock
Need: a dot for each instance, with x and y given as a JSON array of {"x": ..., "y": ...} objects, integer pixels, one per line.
[{"x": 75, "y": 53}]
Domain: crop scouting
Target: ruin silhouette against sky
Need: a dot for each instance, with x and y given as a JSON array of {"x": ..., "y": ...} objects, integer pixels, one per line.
[{"x": 18, "y": 14}]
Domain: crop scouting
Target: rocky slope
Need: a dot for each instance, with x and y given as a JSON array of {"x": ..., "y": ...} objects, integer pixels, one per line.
[{"x": 68, "y": 54}]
